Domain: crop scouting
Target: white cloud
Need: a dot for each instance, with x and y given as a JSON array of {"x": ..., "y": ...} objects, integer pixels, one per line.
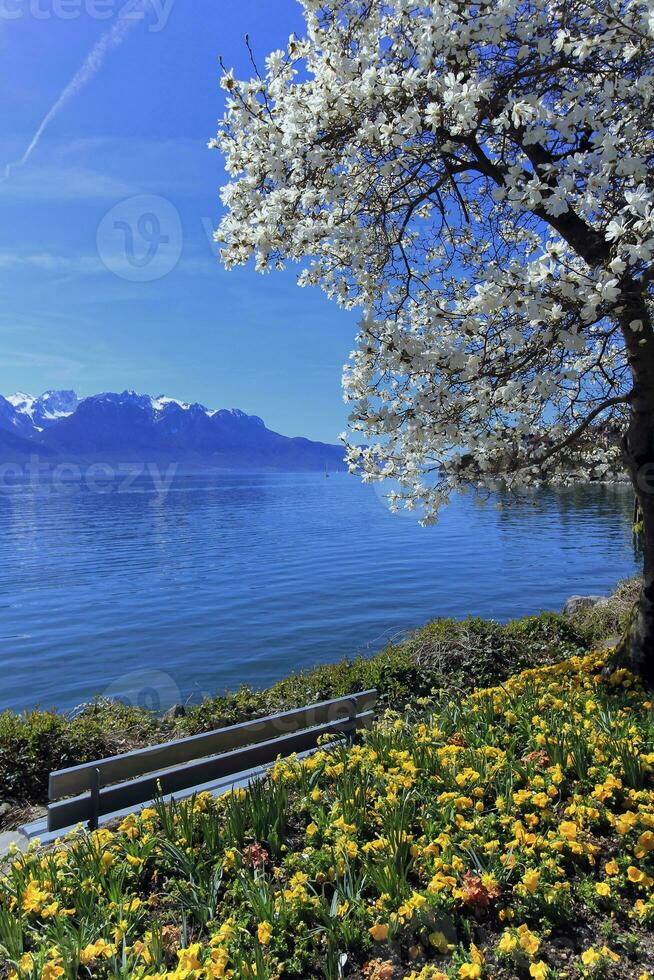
[
  {"x": 53, "y": 182},
  {"x": 58, "y": 367},
  {"x": 91, "y": 169},
  {"x": 82, "y": 265},
  {"x": 47, "y": 262}
]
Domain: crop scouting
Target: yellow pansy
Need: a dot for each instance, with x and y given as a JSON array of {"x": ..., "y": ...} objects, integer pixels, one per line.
[
  {"x": 530, "y": 880},
  {"x": 507, "y": 943}
]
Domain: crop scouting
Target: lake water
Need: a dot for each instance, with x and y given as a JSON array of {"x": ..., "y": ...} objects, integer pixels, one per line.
[{"x": 158, "y": 597}]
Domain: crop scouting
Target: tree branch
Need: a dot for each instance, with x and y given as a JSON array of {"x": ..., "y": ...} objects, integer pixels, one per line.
[{"x": 572, "y": 438}]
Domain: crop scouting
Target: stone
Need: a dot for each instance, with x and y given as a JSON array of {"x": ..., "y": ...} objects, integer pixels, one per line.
[
  {"x": 12, "y": 837},
  {"x": 579, "y": 603},
  {"x": 177, "y": 711}
]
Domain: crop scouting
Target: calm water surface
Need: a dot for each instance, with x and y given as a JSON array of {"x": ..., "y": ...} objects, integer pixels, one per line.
[{"x": 224, "y": 579}]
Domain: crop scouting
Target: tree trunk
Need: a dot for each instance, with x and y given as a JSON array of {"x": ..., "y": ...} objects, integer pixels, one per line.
[{"x": 637, "y": 648}]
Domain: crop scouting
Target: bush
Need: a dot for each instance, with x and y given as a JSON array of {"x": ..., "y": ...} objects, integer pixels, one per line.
[
  {"x": 600, "y": 623},
  {"x": 35, "y": 743},
  {"x": 478, "y": 653}
]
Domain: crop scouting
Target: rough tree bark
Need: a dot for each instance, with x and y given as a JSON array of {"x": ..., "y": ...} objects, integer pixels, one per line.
[{"x": 637, "y": 648}]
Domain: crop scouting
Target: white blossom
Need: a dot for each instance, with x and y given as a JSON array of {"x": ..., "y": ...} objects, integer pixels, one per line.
[{"x": 478, "y": 179}]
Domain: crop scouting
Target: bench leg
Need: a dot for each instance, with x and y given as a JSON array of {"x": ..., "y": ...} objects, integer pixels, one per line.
[{"x": 95, "y": 801}]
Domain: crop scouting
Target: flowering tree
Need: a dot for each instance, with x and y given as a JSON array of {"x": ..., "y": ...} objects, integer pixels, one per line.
[{"x": 478, "y": 177}]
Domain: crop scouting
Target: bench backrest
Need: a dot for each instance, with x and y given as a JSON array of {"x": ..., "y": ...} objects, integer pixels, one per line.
[{"x": 99, "y": 788}]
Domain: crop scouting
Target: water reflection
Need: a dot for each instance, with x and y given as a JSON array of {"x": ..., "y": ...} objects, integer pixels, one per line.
[{"x": 246, "y": 576}]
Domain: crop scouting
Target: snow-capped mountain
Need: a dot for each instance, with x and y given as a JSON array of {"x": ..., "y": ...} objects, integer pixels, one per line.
[
  {"x": 128, "y": 425},
  {"x": 32, "y": 414}
]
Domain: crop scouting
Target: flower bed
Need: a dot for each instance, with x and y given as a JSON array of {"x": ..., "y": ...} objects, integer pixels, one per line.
[{"x": 510, "y": 834}]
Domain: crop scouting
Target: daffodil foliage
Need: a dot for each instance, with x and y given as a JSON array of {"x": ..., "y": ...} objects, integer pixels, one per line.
[
  {"x": 507, "y": 834},
  {"x": 478, "y": 178}
]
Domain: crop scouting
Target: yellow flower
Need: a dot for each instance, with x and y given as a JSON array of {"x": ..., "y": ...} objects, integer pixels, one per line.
[
  {"x": 476, "y": 954},
  {"x": 603, "y": 889},
  {"x": 51, "y": 971},
  {"x": 528, "y": 940},
  {"x": 100, "y": 949},
  {"x": 312, "y": 830},
  {"x": 568, "y": 829},
  {"x": 611, "y": 867},
  {"x": 107, "y": 860},
  {"x": 530, "y": 880},
  {"x": 507, "y": 943},
  {"x": 264, "y": 932},
  {"x": 538, "y": 970},
  {"x": 590, "y": 957},
  {"x": 470, "y": 971},
  {"x": 189, "y": 958},
  {"x": 625, "y": 822},
  {"x": 379, "y": 932},
  {"x": 218, "y": 966},
  {"x": 439, "y": 941},
  {"x": 34, "y": 897}
]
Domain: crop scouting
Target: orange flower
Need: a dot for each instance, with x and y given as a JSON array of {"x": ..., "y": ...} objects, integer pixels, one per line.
[{"x": 475, "y": 893}]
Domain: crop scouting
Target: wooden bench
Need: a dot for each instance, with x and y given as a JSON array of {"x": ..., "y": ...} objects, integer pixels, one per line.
[{"x": 105, "y": 788}]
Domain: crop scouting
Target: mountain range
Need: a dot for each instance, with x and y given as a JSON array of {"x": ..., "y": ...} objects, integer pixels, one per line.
[{"x": 127, "y": 426}]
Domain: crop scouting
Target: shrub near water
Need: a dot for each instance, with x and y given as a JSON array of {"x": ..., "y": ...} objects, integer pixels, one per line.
[
  {"x": 36, "y": 743},
  {"x": 508, "y": 834}
]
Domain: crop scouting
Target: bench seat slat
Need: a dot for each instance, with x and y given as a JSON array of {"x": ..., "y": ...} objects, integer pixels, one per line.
[
  {"x": 140, "y": 762},
  {"x": 78, "y": 809}
]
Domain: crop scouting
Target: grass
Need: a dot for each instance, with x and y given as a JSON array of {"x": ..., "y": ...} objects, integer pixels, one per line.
[
  {"x": 446, "y": 655},
  {"x": 508, "y": 834}
]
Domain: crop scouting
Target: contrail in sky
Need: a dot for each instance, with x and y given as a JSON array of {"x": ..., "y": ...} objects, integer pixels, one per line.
[{"x": 90, "y": 67}]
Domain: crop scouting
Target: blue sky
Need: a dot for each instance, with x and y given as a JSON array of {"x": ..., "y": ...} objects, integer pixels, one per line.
[{"x": 78, "y": 309}]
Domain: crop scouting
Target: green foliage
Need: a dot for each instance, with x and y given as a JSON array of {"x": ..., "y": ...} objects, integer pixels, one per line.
[
  {"x": 478, "y": 653},
  {"x": 35, "y": 743},
  {"x": 604, "y": 622}
]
